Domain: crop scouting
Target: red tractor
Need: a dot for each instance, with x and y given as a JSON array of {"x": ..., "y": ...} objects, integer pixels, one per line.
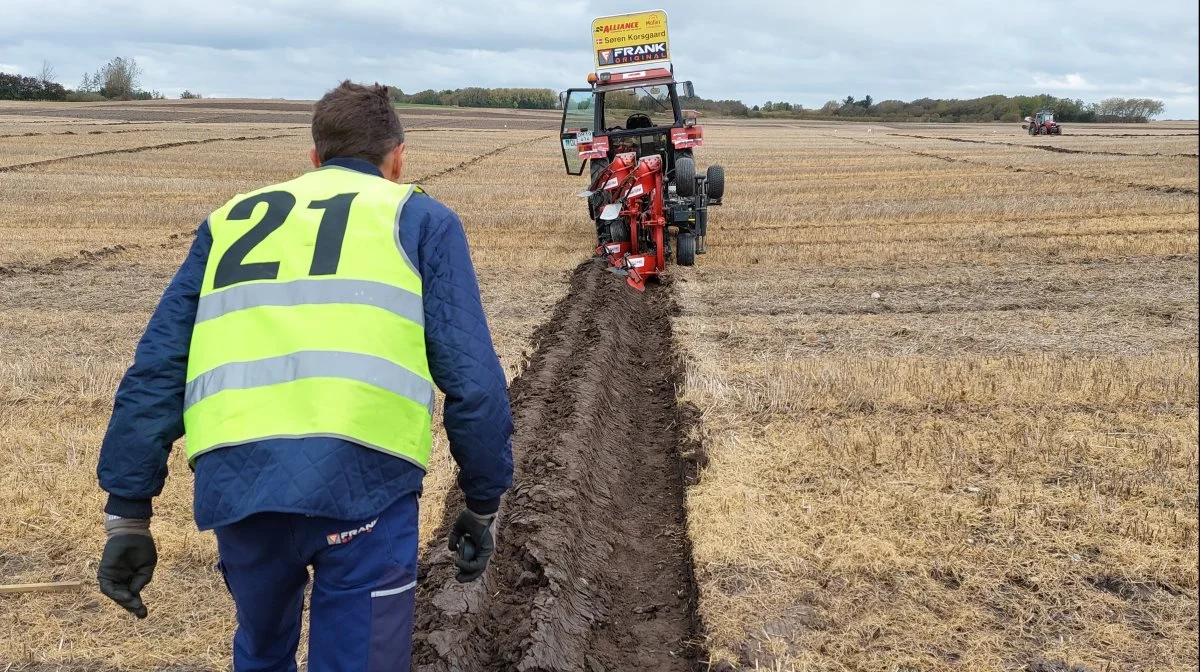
[
  {"x": 648, "y": 203},
  {"x": 1042, "y": 123}
]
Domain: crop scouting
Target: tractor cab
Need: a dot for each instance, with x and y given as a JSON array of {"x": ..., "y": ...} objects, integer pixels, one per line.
[
  {"x": 622, "y": 112},
  {"x": 1042, "y": 123}
]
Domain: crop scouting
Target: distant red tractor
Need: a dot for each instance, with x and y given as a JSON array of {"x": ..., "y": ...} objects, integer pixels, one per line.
[{"x": 1042, "y": 123}]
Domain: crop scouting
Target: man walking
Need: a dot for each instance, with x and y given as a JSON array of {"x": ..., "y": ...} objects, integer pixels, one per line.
[{"x": 297, "y": 347}]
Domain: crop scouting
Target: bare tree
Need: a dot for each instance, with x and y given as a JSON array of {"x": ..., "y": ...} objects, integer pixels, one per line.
[
  {"x": 46, "y": 76},
  {"x": 1128, "y": 109},
  {"x": 1154, "y": 108},
  {"x": 119, "y": 78}
]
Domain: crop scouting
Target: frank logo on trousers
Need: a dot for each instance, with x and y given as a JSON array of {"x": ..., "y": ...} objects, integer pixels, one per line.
[{"x": 349, "y": 535}]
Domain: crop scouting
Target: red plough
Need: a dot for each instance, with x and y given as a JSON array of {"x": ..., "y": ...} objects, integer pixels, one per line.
[{"x": 631, "y": 194}]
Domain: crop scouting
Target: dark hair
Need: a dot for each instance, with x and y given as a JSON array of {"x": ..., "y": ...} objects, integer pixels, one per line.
[{"x": 356, "y": 121}]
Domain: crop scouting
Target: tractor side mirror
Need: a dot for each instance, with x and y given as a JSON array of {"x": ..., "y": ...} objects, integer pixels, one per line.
[{"x": 689, "y": 90}]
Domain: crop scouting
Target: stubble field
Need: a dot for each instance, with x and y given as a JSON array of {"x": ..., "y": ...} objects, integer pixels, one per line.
[
  {"x": 949, "y": 391},
  {"x": 934, "y": 394}
]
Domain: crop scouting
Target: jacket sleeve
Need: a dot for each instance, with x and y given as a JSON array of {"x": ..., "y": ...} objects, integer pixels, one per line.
[
  {"x": 147, "y": 415},
  {"x": 464, "y": 364}
]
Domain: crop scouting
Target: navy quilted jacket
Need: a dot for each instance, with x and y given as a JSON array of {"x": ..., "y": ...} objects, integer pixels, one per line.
[{"x": 317, "y": 476}]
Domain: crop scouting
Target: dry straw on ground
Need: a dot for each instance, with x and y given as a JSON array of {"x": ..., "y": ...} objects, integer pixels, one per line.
[
  {"x": 69, "y": 323},
  {"x": 948, "y": 389},
  {"x": 949, "y": 407}
]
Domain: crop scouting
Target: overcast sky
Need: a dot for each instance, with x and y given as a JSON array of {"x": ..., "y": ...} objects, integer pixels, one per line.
[{"x": 753, "y": 50}]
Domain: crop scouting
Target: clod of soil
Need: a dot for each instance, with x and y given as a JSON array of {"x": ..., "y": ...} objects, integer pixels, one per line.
[{"x": 593, "y": 566}]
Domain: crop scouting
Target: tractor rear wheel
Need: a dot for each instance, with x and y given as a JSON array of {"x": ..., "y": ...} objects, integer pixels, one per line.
[
  {"x": 685, "y": 176},
  {"x": 618, "y": 231},
  {"x": 685, "y": 249},
  {"x": 596, "y": 200},
  {"x": 597, "y": 166},
  {"x": 716, "y": 181}
]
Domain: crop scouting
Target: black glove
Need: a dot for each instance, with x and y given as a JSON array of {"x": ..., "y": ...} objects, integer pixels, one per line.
[
  {"x": 474, "y": 537},
  {"x": 127, "y": 563}
]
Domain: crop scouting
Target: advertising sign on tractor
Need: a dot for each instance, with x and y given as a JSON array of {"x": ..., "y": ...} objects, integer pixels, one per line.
[{"x": 631, "y": 40}]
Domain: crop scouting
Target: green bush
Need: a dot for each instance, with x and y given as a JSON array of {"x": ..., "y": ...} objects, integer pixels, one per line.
[{"x": 18, "y": 87}]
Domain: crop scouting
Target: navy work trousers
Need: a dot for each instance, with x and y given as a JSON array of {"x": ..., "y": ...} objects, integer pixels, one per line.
[{"x": 364, "y": 575}]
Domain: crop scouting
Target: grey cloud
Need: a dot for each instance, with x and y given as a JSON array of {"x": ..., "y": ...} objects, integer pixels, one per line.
[{"x": 754, "y": 50}]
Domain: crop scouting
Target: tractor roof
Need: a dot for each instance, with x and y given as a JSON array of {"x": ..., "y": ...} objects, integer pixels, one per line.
[{"x": 612, "y": 81}]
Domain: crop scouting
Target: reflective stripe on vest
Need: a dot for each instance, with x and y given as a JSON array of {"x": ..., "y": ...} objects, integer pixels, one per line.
[
  {"x": 397, "y": 300},
  {"x": 311, "y": 321}
]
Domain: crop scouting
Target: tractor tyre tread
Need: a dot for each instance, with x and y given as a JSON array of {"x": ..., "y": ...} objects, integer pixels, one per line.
[
  {"x": 685, "y": 176},
  {"x": 618, "y": 231},
  {"x": 716, "y": 181},
  {"x": 685, "y": 249}
]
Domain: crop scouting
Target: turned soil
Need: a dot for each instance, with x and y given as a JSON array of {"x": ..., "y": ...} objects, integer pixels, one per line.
[{"x": 593, "y": 567}]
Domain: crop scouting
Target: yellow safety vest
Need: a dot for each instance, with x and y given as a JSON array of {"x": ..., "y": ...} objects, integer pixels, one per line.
[{"x": 310, "y": 321}]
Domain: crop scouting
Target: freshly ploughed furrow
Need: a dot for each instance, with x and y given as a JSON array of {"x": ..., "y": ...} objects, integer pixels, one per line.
[
  {"x": 593, "y": 566},
  {"x": 1165, "y": 189},
  {"x": 1044, "y": 148},
  {"x": 145, "y": 148},
  {"x": 459, "y": 167}
]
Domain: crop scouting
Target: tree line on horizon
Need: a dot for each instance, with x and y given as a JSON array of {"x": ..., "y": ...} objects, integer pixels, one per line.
[
  {"x": 1001, "y": 108},
  {"x": 477, "y": 96},
  {"x": 997, "y": 107},
  {"x": 119, "y": 79}
]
